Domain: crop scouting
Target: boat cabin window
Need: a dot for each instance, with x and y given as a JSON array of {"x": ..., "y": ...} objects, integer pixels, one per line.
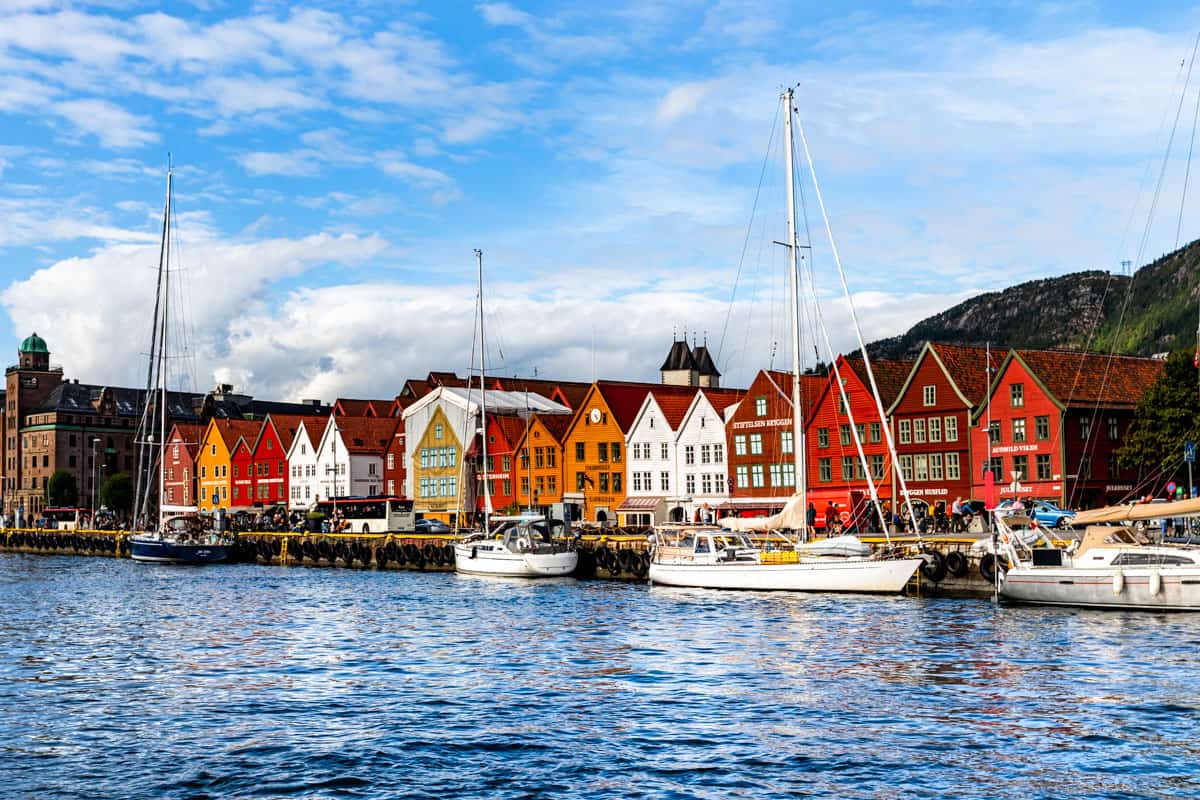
[
  {"x": 1151, "y": 559},
  {"x": 702, "y": 544}
]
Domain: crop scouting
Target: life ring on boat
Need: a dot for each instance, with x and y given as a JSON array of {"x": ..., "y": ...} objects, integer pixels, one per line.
[
  {"x": 934, "y": 567},
  {"x": 988, "y": 566},
  {"x": 956, "y": 563},
  {"x": 523, "y": 544}
]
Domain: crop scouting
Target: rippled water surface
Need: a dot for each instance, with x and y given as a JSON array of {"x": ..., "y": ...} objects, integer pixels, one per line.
[{"x": 128, "y": 680}]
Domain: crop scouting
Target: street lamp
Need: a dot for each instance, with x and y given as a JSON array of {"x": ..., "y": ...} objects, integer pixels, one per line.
[{"x": 95, "y": 480}]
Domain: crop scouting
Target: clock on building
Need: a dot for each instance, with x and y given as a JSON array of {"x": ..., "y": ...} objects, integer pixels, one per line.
[{"x": 595, "y": 415}]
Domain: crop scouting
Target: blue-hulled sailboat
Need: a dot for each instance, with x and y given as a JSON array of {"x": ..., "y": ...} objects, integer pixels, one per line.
[{"x": 166, "y": 534}]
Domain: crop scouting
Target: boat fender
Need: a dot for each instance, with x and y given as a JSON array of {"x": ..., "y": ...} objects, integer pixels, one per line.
[
  {"x": 1118, "y": 581},
  {"x": 956, "y": 563},
  {"x": 447, "y": 554},
  {"x": 988, "y": 566},
  {"x": 411, "y": 553},
  {"x": 429, "y": 552},
  {"x": 602, "y": 554},
  {"x": 474, "y": 552},
  {"x": 1155, "y": 582},
  {"x": 934, "y": 567}
]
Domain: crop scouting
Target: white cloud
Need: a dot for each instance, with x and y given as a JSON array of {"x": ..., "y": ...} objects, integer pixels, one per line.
[
  {"x": 112, "y": 125},
  {"x": 80, "y": 302}
]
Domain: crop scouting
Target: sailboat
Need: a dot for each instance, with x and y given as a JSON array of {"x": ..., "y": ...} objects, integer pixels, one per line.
[
  {"x": 521, "y": 546},
  {"x": 726, "y": 557},
  {"x": 163, "y": 534}
]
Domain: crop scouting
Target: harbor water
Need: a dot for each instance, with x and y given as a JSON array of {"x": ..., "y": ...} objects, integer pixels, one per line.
[{"x": 131, "y": 680}]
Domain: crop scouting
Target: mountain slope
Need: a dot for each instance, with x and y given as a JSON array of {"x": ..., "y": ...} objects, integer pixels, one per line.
[{"x": 1082, "y": 310}]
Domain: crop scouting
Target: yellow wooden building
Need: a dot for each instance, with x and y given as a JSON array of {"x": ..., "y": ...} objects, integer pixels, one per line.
[
  {"x": 213, "y": 467},
  {"x": 538, "y": 467}
]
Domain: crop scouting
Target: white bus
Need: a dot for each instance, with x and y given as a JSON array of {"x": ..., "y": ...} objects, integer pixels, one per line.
[{"x": 370, "y": 514}]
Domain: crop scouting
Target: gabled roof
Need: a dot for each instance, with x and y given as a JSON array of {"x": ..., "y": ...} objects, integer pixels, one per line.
[
  {"x": 624, "y": 398},
  {"x": 674, "y": 404},
  {"x": 230, "y": 430},
  {"x": 189, "y": 435},
  {"x": 890, "y": 376},
  {"x": 965, "y": 367},
  {"x": 346, "y": 407},
  {"x": 367, "y": 435},
  {"x": 511, "y": 428},
  {"x": 680, "y": 357},
  {"x": 285, "y": 426},
  {"x": 811, "y": 387},
  {"x": 1073, "y": 378}
]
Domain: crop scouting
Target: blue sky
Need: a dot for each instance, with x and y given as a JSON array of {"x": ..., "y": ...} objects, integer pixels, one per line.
[{"x": 336, "y": 165}]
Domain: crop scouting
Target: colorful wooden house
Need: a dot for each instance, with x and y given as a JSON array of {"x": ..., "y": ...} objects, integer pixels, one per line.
[
  {"x": 1053, "y": 425},
  {"x": 836, "y": 472},
  {"x": 931, "y": 421},
  {"x": 759, "y": 442},
  {"x": 179, "y": 482},
  {"x": 538, "y": 465},
  {"x": 214, "y": 476}
]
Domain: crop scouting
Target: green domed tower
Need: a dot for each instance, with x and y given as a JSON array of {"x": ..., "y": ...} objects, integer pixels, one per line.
[{"x": 33, "y": 353}]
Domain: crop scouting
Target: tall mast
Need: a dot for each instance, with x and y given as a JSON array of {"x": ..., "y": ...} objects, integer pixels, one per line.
[
  {"x": 487, "y": 495},
  {"x": 794, "y": 276},
  {"x": 162, "y": 351},
  {"x": 141, "y": 495}
]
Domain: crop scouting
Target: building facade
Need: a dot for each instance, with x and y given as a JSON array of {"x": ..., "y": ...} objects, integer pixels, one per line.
[{"x": 1054, "y": 423}]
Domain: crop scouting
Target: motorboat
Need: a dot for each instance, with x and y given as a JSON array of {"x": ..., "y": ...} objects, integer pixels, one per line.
[
  {"x": 523, "y": 546},
  {"x": 717, "y": 558},
  {"x": 1110, "y": 566}
]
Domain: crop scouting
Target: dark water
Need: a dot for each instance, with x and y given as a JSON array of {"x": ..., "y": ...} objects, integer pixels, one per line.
[{"x": 127, "y": 680}]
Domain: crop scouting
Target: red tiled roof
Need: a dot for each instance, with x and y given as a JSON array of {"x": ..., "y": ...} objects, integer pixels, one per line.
[
  {"x": 889, "y": 376},
  {"x": 367, "y": 435},
  {"x": 625, "y": 398},
  {"x": 722, "y": 399},
  {"x": 230, "y": 430},
  {"x": 674, "y": 404},
  {"x": 189, "y": 435},
  {"x": 555, "y": 424},
  {"x": 512, "y": 428},
  {"x": 315, "y": 429},
  {"x": 286, "y": 426},
  {"x": 353, "y": 408},
  {"x": 1092, "y": 378},
  {"x": 382, "y": 408},
  {"x": 967, "y": 368}
]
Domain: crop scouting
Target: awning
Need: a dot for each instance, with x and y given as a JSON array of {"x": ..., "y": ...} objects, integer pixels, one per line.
[{"x": 640, "y": 503}]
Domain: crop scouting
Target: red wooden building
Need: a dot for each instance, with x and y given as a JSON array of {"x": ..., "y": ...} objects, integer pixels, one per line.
[
  {"x": 760, "y": 442},
  {"x": 1054, "y": 424},
  {"x": 931, "y": 420},
  {"x": 269, "y": 456},
  {"x": 179, "y": 482},
  {"x": 241, "y": 472},
  {"x": 836, "y": 473}
]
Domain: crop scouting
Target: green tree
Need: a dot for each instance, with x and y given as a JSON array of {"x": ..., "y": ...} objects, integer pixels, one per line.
[
  {"x": 116, "y": 493},
  {"x": 1167, "y": 416},
  {"x": 62, "y": 489}
]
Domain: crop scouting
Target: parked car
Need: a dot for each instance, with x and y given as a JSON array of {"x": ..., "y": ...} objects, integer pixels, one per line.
[
  {"x": 433, "y": 526},
  {"x": 1046, "y": 513}
]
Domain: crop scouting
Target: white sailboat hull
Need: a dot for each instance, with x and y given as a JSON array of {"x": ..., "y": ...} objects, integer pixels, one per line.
[
  {"x": 1178, "y": 588},
  {"x": 471, "y": 559},
  {"x": 886, "y": 576}
]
